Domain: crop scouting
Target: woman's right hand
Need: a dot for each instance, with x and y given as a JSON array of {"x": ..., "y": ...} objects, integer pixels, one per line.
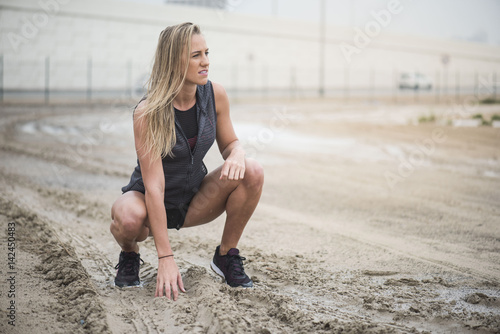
[{"x": 168, "y": 279}]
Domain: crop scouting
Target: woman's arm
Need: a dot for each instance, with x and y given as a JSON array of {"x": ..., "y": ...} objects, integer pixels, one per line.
[
  {"x": 229, "y": 145},
  {"x": 154, "y": 182}
]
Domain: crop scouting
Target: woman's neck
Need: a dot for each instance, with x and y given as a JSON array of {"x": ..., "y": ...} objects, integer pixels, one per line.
[{"x": 186, "y": 97}]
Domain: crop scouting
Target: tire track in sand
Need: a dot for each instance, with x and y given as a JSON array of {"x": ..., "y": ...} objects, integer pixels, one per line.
[
  {"x": 210, "y": 306},
  {"x": 78, "y": 307},
  {"x": 91, "y": 244},
  {"x": 414, "y": 250}
]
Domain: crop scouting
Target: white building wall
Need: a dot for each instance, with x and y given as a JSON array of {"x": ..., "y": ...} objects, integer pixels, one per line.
[{"x": 247, "y": 52}]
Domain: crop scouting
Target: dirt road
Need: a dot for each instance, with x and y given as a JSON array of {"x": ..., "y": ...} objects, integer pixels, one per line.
[{"x": 369, "y": 222}]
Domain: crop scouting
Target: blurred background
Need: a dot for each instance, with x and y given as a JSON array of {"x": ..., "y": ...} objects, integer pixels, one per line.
[{"x": 97, "y": 50}]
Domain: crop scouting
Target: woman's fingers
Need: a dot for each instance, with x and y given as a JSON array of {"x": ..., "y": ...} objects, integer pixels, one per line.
[
  {"x": 180, "y": 283},
  {"x": 167, "y": 291},
  {"x": 225, "y": 171},
  {"x": 163, "y": 289},
  {"x": 159, "y": 288},
  {"x": 231, "y": 170},
  {"x": 238, "y": 172},
  {"x": 175, "y": 292},
  {"x": 170, "y": 289}
]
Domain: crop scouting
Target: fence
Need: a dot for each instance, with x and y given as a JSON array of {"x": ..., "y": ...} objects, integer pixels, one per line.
[{"x": 48, "y": 80}]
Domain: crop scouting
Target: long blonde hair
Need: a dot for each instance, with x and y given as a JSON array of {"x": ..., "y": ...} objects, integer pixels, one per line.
[{"x": 167, "y": 77}]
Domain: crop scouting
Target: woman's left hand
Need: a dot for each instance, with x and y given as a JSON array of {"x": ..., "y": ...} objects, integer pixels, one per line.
[{"x": 234, "y": 166}]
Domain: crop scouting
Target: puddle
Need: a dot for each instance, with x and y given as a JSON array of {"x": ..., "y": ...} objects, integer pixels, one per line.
[
  {"x": 259, "y": 138},
  {"x": 49, "y": 129},
  {"x": 92, "y": 130},
  {"x": 490, "y": 173}
]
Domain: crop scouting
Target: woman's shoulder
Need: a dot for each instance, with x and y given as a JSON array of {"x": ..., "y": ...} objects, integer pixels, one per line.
[
  {"x": 220, "y": 98},
  {"x": 219, "y": 91},
  {"x": 142, "y": 104},
  {"x": 140, "y": 107},
  {"x": 218, "y": 88},
  {"x": 139, "y": 112}
]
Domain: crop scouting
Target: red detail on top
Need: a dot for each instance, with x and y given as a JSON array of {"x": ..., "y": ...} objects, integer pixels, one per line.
[{"x": 192, "y": 142}]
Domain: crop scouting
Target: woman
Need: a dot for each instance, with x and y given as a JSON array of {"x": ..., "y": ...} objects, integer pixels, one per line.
[{"x": 174, "y": 127}]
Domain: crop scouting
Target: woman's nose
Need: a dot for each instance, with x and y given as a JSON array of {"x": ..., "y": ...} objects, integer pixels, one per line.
[{"x": 205, "y": 60}]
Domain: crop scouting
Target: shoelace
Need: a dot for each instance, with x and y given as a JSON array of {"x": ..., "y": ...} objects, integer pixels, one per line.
[
  {"x": 235, "y": 263},
  {"x": 128, "y": 265}
]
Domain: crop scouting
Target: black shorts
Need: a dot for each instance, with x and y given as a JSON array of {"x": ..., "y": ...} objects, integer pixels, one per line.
[{"x": 176, "y": 216}]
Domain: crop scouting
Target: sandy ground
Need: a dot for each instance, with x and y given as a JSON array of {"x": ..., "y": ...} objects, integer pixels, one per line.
[{"x": 368, "y": 222}]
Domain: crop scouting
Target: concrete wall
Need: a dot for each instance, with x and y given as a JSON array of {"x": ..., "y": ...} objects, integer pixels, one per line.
[{"x": 110, "y": 45}]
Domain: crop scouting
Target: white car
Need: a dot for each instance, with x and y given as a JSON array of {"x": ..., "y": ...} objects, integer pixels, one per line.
[{"x": 414, "y": 81}]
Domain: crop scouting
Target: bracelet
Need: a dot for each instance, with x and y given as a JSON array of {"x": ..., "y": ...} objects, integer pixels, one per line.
[{"x": 161, "y": 257}]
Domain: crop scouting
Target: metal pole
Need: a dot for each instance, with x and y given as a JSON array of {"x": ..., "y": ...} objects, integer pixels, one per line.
[
  {"x": 322, "y": 34},
  {"x": 395, "y": 85},
  {"x": 438, "y": 85},
  {"x": 476, "y": 84},
  {"x": 129, "y": 91},
  {"x": 89, "y": 79},
  {"x": 494, "y": 86},
  {"x": 47, "y": 79},
  {"x": 372, "y": 83},
  {"x": 275, "y": 8},
  {"x": 353, "y": 13},
  {"x": 234, "y": 78},
  {"x": 346, "y": 83},
  {"x": 415, "y": 95},
  {"x": 445, "y": 82},
  {"x": 265, "y": 81},
  {"x": 1, "y": 78}
]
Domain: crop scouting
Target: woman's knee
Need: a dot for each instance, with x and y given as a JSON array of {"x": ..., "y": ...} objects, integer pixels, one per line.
[
  {"x": 128, "y": 220},
  {"x": 254, "y": 174}
]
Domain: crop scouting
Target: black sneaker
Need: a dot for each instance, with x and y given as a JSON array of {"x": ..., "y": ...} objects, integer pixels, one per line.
[
  {"x": 128, "y": 269},
  {"x": 230, "y": 267}
]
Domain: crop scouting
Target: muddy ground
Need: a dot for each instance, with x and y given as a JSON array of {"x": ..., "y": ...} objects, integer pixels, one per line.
[{"x": 369, "y": 222}]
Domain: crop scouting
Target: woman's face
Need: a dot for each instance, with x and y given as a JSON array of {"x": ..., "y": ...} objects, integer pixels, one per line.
[{"x": 198, "y": 61}]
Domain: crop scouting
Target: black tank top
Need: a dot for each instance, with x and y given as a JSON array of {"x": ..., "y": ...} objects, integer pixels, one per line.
[
  {"x": 184, "y": 170},
  {"x": 189, "y": 124}
]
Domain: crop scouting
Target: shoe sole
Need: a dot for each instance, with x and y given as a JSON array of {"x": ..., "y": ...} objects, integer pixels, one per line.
[
  {"x": 217, "y": 270},
  {"x": 221, "y": 274},
  {"x": 122, "y": 284},
  {"x": 128, "y": 285}
]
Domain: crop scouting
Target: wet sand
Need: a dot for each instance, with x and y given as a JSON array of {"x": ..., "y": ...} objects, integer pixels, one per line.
[{"x": 369, "y": 222}]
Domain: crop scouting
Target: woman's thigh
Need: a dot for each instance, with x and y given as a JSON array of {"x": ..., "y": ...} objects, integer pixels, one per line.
[{"x": 210, "y": 201}]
